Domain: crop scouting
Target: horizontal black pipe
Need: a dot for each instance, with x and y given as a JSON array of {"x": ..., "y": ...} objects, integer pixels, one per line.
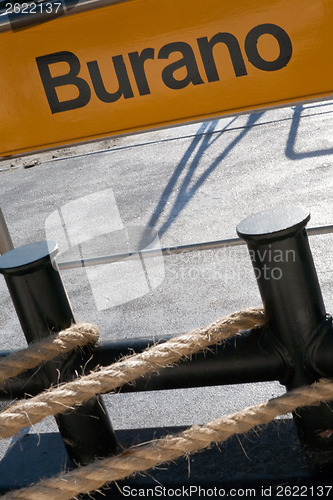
[{"x": 245, "y": 358}]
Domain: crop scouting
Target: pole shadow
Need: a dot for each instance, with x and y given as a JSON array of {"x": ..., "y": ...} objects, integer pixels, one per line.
[
  {"x": 291, "y": 151},
  {"x": 188, "y": 165}
]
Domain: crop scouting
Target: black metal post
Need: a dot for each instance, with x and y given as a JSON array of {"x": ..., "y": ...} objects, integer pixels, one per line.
[
  {"x": 289, "y": 287},
  {"x": 43, "y": 307}
]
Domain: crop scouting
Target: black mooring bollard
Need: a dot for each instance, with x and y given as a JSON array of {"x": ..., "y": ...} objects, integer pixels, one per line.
[
  {"x": 42, "y": 306},
  {"x": 289, "y": 287}
]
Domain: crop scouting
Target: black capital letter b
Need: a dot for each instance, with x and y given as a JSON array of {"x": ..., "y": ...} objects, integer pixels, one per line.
[{"x": 51, "y": 82}]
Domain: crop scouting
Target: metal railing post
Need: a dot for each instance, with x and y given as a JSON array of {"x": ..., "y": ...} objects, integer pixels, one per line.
[
  {"x": 289, "y": 287},
  {"x": 42, "y": 305}
]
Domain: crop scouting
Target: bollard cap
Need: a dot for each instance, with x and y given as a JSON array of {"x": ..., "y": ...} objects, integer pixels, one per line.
[
  {"x": 274, "y": 223},
  {"x": 28, "y": 257}
]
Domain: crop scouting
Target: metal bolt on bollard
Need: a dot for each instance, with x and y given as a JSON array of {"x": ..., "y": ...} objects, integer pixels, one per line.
[
  {"x": 279, "y": 249},
  {"x": 42, "y": 306}
]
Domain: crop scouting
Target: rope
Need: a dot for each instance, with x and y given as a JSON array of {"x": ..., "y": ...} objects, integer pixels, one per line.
[
  {"x": 142, "y": 458},
  {"x": 79, "y": 334},
  {"x": 146, "y": 456},
  {"x": 63, "y": 397}
]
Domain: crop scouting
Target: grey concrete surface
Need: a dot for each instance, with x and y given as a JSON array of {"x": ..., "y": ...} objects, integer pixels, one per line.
[{"x": 192, "y": 183}]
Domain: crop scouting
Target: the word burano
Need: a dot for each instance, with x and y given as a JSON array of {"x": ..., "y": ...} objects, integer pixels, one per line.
[{"x": 142, "y": 63}]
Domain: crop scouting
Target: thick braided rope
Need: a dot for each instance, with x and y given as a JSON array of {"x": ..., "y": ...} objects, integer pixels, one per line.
[
  {"x": 77, "y": 335},
  {"x": 61, "y": 398},
  {"x": 142, "y": 458}
]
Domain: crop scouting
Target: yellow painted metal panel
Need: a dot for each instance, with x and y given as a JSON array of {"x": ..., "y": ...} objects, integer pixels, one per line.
[{"x": 145, "y": 64}]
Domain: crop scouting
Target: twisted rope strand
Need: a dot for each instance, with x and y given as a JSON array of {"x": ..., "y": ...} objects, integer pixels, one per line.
[
  {"x": 60, "y": 399},
  {"x": 77, "y": 335},
  {"x": 142, "y": 458}
]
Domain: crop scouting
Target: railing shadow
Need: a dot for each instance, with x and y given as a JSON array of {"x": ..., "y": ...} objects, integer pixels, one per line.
[
  {"x": 205, "y": 138},
  {"x": 291, "y": 151}
]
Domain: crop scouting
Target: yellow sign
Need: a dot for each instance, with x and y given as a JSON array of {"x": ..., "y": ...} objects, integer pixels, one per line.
[{"x": 145, "y": 64}]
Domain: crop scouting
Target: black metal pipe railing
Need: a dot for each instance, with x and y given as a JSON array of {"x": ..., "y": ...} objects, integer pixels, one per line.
[
  {"x": 295, "y": 347},
  {"x": 242, "y": 359},
  {"x": 168, "y": 251}
]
